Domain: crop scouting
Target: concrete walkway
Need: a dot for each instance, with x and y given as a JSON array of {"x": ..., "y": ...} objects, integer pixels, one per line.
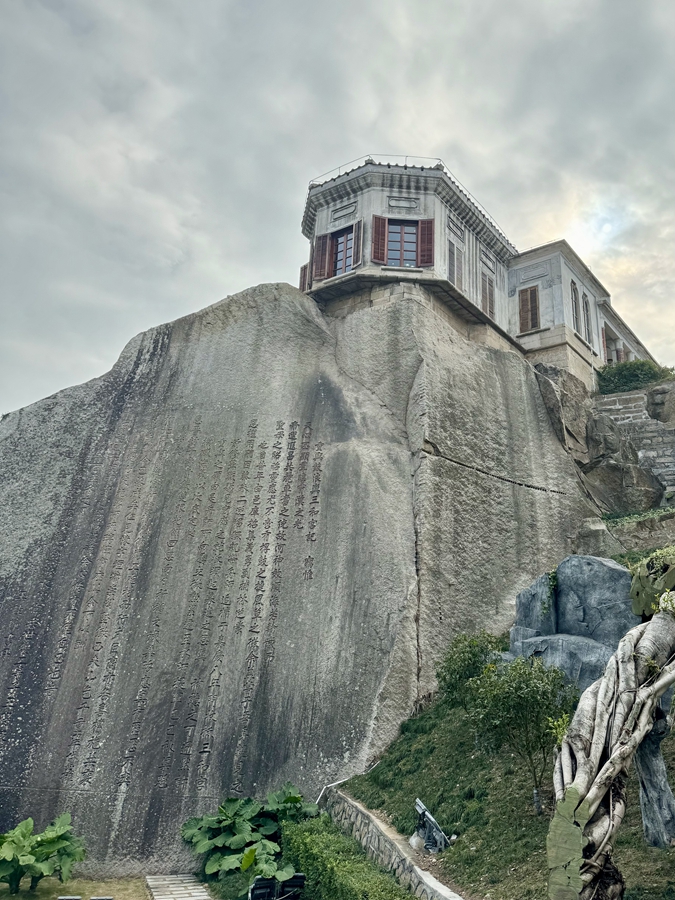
[{"x": 176, "y": 887}]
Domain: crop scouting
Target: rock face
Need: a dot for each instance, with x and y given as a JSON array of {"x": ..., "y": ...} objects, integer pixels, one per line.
[
  {"x": 614, "y": 475},
  {"x": 237, "y": 557},
  {"x": 608, "y": 461},
  {"x": 661, "y": 403},
  {"x": 577, "y": 624},
  {"x": 645, "y": 534},
  {"x": 569, "y": 405}
]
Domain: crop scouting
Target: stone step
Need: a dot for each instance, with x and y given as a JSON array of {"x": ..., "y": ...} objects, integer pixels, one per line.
[{"x": 176, "y": 887}]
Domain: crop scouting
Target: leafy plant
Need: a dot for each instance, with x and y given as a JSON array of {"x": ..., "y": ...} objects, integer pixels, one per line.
[
  {"x": 631, "y": 375},
  {"x": 467, "y": 656},
  {"x": 652, "y": 577},
  {"x": 243, "y": 836},
  {"x": 53, "y": 852},
  {"x": 558, "y": 727},
  {"x": 513, "y": 705}
]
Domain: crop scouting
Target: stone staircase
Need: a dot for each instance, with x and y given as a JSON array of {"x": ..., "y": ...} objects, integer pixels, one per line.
[
  {"x": 654, "y": 441},
  {"x": 624, "y": 408}
]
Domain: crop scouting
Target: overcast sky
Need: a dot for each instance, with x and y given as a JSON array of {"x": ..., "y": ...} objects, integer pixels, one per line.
[{"x": 155, "y": 154}]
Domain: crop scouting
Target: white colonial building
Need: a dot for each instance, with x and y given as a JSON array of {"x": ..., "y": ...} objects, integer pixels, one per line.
[{"x": 380, "y": 227}]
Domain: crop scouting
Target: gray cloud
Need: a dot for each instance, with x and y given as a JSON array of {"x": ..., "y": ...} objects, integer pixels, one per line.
[{"x": 154, "y": 156}]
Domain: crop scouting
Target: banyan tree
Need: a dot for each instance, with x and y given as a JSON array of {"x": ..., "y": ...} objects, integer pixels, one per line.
[{"x": 619, "y": 720}]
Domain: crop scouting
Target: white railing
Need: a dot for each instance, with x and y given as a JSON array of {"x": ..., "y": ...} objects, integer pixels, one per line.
[{"x": 417, "y": 162}]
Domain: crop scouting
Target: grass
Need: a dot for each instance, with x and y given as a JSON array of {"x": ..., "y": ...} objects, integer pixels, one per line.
[
  {"x": 51, "y": 888},
  {"x": 619, "y": 519},
  {"x": 500, "y": 852}
]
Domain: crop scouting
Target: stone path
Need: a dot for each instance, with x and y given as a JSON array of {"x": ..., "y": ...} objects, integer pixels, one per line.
[{"x": 176, "y": 887}]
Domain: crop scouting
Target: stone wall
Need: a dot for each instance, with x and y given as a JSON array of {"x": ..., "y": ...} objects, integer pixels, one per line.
[
  {"x": 654, "y": 440},
  {"x": 386, "y": 846}
]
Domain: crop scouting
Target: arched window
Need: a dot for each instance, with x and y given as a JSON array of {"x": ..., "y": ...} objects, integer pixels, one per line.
[
  {"x": 576, "y": 315},
  {"x": 588, "y": 333}
]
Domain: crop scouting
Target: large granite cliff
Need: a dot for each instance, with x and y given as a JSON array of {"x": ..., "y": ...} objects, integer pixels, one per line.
[{"x": 237, "y": 557}]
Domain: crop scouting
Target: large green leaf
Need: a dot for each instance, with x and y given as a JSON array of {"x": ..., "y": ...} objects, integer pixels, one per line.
[
  {"x": 267, "y": 869},
  {"x": 233, "y": 861},
  {"x": 230, "y": 807},
  {"x": 213, "y": 863},
  {"x": 240, "y": 840},
  {"x": 285, "y": 873},
  {"x": 249, "y": 808},
  {"x": 248, "y": 858},
  {"x": 202, "y": 845},
  {"x": 191, "y": 828},
  {"x": 221, "y": 840},
  {"x": 269, "y": 846}
]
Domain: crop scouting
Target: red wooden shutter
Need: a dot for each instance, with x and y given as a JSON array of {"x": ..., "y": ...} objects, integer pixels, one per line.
[
  {"x": 303, "y": 277},
  {"x": 321, "y": 245},
  {"x": 619, "y": 354},
  {"x": 534, "y": 308},
  {"x": 358, "y": 241},
  {"x": 604, "y": 344},
  {"x": 524, "y": 298},
  {"x": 379, "y": 249},
  {"x": 491, "y": 297},
  {"x": 452, "y": 270},
  {"x": 425, "y": 251},
  {"x": 459, "y": 268},
  {"x": 483, "y": 292}
]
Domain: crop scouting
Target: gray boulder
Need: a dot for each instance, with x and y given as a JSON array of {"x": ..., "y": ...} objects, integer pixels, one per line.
[
  {"x": 535, "y": 609},
  {"x": 661, "y": 403},
  {"x": 593, "y": 599},
  {"x": 583, "y": 660}
]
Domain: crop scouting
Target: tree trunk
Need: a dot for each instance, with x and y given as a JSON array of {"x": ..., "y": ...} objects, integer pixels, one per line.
[
  {"x": 656, "y": 798},
  {"x": 613, "y": 717}
]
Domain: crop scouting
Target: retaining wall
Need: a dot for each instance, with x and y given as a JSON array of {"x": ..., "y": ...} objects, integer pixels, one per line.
[
  {"x": 386, "y": 846},
  {"x": 654, "y": 441}
]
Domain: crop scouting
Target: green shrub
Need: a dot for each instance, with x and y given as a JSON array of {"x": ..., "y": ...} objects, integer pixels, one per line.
[
  {"x": 652, "y": 576},
  {"x": 53, "y": 852},
  {"x": 514, "y": 706},
  {"x": 466, "y": 657},
  {"x": 629, "y": 376},
  {"x": 243, "y": 837},
  {"x": 336, "y": 866}
]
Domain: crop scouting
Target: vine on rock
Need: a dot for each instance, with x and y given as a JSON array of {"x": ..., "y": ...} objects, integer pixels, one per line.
[{"x": 614, "y": 716}]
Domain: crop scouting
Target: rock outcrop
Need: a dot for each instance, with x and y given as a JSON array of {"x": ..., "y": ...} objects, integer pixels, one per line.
[
  {"x": 608, "y": 462},
  {"x": 238, "y": 556},
  {"x": 575, "y": 618},
  {"x": 661, "y": 403}
]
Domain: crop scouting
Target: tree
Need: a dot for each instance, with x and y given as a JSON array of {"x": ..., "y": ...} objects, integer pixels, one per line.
[
  {"x": 53, "y": 852},
  {"x": 517, "y": 705},
  {"x": 614, "y": 716},
  {"x": 466, "y": 658}
]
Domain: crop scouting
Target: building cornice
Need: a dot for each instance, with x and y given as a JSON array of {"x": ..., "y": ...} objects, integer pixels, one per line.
[
  {"x": 411, "y": 179},
  {"x": 561, "y": 246}
]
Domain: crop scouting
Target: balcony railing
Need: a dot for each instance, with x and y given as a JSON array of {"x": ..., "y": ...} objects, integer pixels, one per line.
[{"x": 405, "y": 162}]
